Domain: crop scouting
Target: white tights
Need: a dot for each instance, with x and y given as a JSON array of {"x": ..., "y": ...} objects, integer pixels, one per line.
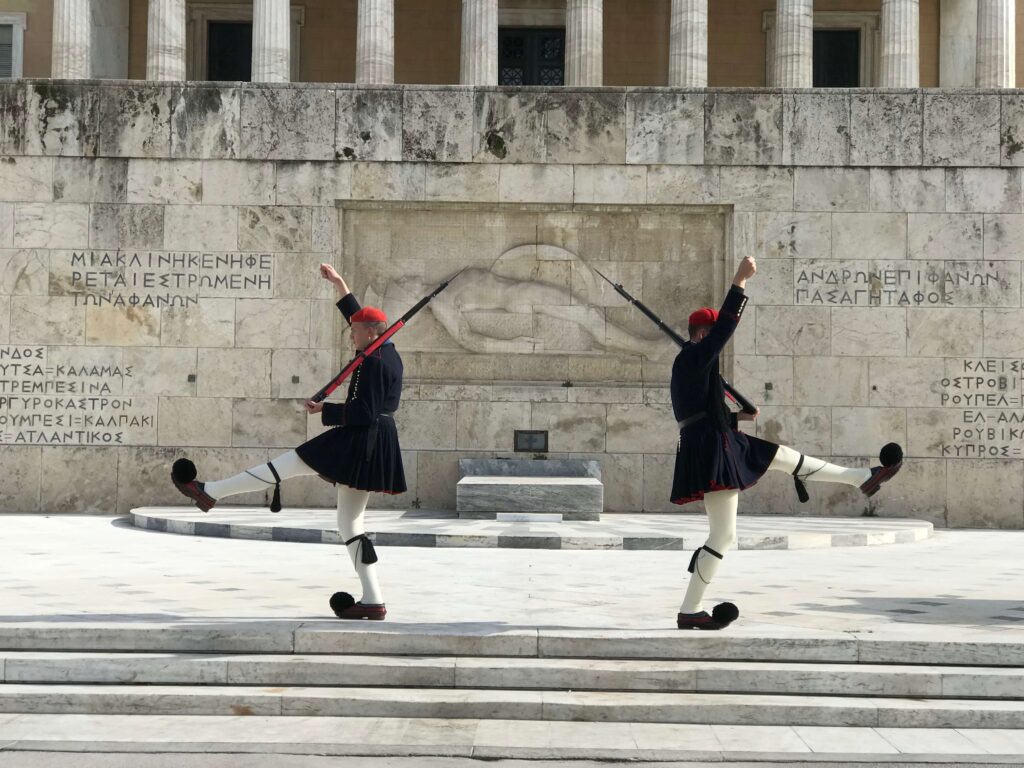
[
  {"x": 351, "y": 505},
  {"x": 721, "y": 507},
  {"x": 260, "y": 478}
]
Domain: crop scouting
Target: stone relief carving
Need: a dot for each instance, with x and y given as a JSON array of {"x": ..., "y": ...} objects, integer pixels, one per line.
[{"x": 487, "y": 311}]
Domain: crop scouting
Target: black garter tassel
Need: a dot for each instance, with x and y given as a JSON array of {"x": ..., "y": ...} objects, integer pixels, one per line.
[
  {"x": 801, "y": 489},
  {"x": 366, "y": 548},
  {"x": 275, "y": 502}
]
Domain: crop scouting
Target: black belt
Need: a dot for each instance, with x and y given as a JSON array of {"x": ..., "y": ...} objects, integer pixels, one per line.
[
  {"x": 372, "y": 432},
  {"x": 692, "y": 419}
]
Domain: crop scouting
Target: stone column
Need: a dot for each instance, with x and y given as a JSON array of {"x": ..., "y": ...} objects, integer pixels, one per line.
[
  {"x": 271, "y": 41},
  {"x": 165, "y": 44},
  {"x": 375, "y": 42},
  {"x": 688, "y": 44},
  {"x": 900, "y": 44},
  {"x": 794, "y": 43},
  {"x": 479, "y": 42},
  {"x": 997, "y": 46},
  {"x": 72, "y": 37},
  {"x": 958, "y": 43},
  {"x": 584, "y": 42}
]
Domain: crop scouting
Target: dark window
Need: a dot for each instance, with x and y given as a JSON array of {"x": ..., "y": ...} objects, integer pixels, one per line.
[
  {"x": 6, "y": 50},
  {"x": 531, "y": 56},
  {"x": 836, "y": 58},
  {"x": 229, "y": 51}
]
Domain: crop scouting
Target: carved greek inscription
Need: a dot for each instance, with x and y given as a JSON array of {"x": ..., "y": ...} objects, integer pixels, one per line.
[
  {"x": 908, "y": 284},
  {"x": 984, "y": 400},
  {"x": 75, "y": 399},
  {"x": 159, "y": 278}
]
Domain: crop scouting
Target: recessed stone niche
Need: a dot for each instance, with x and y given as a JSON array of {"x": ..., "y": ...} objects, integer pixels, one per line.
[{"x": 530, "y": 306}]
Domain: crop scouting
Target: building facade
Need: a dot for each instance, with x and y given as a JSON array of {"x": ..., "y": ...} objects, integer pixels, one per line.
[
  {"x": 686, "y": 43},
  {"x": 159, "y": 241}
]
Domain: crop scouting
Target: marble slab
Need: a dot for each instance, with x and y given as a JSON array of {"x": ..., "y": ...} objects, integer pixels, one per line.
[
  {"x": 576, "y": 498},
  {"x": 530, "y": 468}
]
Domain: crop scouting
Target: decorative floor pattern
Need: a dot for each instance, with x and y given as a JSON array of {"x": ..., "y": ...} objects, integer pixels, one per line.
[{"x": 622, "y": 532}]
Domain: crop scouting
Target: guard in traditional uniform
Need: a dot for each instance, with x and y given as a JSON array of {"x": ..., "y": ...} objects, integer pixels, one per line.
[
  {"x": 715, "y": 461},
  {"x": 360, "y": 455}
]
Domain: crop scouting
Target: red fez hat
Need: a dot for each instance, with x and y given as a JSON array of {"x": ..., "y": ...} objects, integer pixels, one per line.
[
  {"x": 703, "y": 316},
  {"x": 369, "y": 315}
]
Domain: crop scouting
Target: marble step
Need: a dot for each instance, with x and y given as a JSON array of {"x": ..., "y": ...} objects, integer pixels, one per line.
[
  {"x": 574, "y": 498},
  {"x": 586, "y": 706},
  {"x": 507, "y": 739},
  {"x": 932, "y": 645},
  {"x": 514, "y": 673}
]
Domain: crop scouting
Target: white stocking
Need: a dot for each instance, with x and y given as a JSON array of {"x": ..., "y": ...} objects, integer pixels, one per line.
[
  {"x": 816, "y": 470},
  {"x": 351, "y": 504},
  {"x": 721, "y": 507},
  {"x": 260, "y": 478}
]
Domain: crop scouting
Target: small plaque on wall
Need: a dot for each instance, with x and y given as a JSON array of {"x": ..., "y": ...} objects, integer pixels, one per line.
[{"x": 531, "y": 441}]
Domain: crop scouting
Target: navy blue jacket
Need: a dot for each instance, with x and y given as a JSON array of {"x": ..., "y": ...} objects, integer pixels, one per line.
[
  {"x": 696, "y": 383},
  {"x": 375, "y": 386}
]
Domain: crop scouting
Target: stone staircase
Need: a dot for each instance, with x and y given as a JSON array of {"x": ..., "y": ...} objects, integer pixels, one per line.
[{"x": 749, "y": 677}]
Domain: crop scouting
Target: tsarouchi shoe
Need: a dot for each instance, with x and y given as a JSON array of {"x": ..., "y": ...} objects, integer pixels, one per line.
[
  {"x": 345, "y": 607},
  {"x": 720, "y": 617},
  {"x": 183, "y": 475}
]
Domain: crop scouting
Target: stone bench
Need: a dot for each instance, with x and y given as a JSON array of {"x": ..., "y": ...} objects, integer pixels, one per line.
[{"x": 523, "y": 489}]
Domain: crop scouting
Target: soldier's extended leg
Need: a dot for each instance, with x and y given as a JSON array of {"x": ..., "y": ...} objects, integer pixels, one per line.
[
  {"x": 809, "y": 469},
  {"x": 258, "y": 478}
]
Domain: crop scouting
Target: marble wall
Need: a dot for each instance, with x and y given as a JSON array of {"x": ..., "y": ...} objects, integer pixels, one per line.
[{"x": 158, "y": 293}]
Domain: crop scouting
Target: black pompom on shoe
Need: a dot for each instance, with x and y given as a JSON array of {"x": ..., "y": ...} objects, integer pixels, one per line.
[
  {"x": 725, "y": 613},
  {"x": 341, "y": 601},
  {"x": 184, "y": 471},
  {"x": 891, "y": 457},
  {"x": 183, "y": 475}
]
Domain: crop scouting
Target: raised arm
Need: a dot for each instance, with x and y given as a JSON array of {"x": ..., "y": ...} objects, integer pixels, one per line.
[
  {"x": 348, "y": 304},
  {"x": 330, "y": 274},
  {"x": 728, "y": 316}
]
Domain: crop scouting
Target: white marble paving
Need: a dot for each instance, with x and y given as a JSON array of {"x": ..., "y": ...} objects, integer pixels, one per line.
[
  {"x": 846, "y": 740},
  {"x": 511, "y": 738},
  {"x": 249, "y": 595},
  {"x": 937, "y": 741}
]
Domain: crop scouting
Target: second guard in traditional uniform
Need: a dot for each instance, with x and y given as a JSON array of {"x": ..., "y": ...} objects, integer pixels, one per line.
[
  {"x": 360, "y": 454},
  {"x": 715, "y": 461}
]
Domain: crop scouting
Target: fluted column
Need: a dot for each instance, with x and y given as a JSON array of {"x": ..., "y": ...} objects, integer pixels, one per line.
[
  {"x": 900, "y": 44},
  {"x": 688, "y": 44},
  {"x": 271, "y": 41},
  {"x": 958, "y": 43},
  {"x": 997, "y": 46},
  {"x": 165, "y": 44},
  {"x": 375, "y": 42},
  {"x": 72, "y": 40},
  {"x": 479, "y": 42},
  {"x": 794, "y": 43},
  {"x": 584, "y": 42}
]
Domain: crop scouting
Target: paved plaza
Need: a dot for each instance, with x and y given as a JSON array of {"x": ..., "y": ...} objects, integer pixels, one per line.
[
  {"x": 77, "y": 568},
  {"x": 92, "y": 594}
]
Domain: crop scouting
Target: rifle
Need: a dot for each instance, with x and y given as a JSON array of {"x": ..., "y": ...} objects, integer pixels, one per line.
[
  {"x": 394, "y": 328},
  {"x": 730, "y": 390}
]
